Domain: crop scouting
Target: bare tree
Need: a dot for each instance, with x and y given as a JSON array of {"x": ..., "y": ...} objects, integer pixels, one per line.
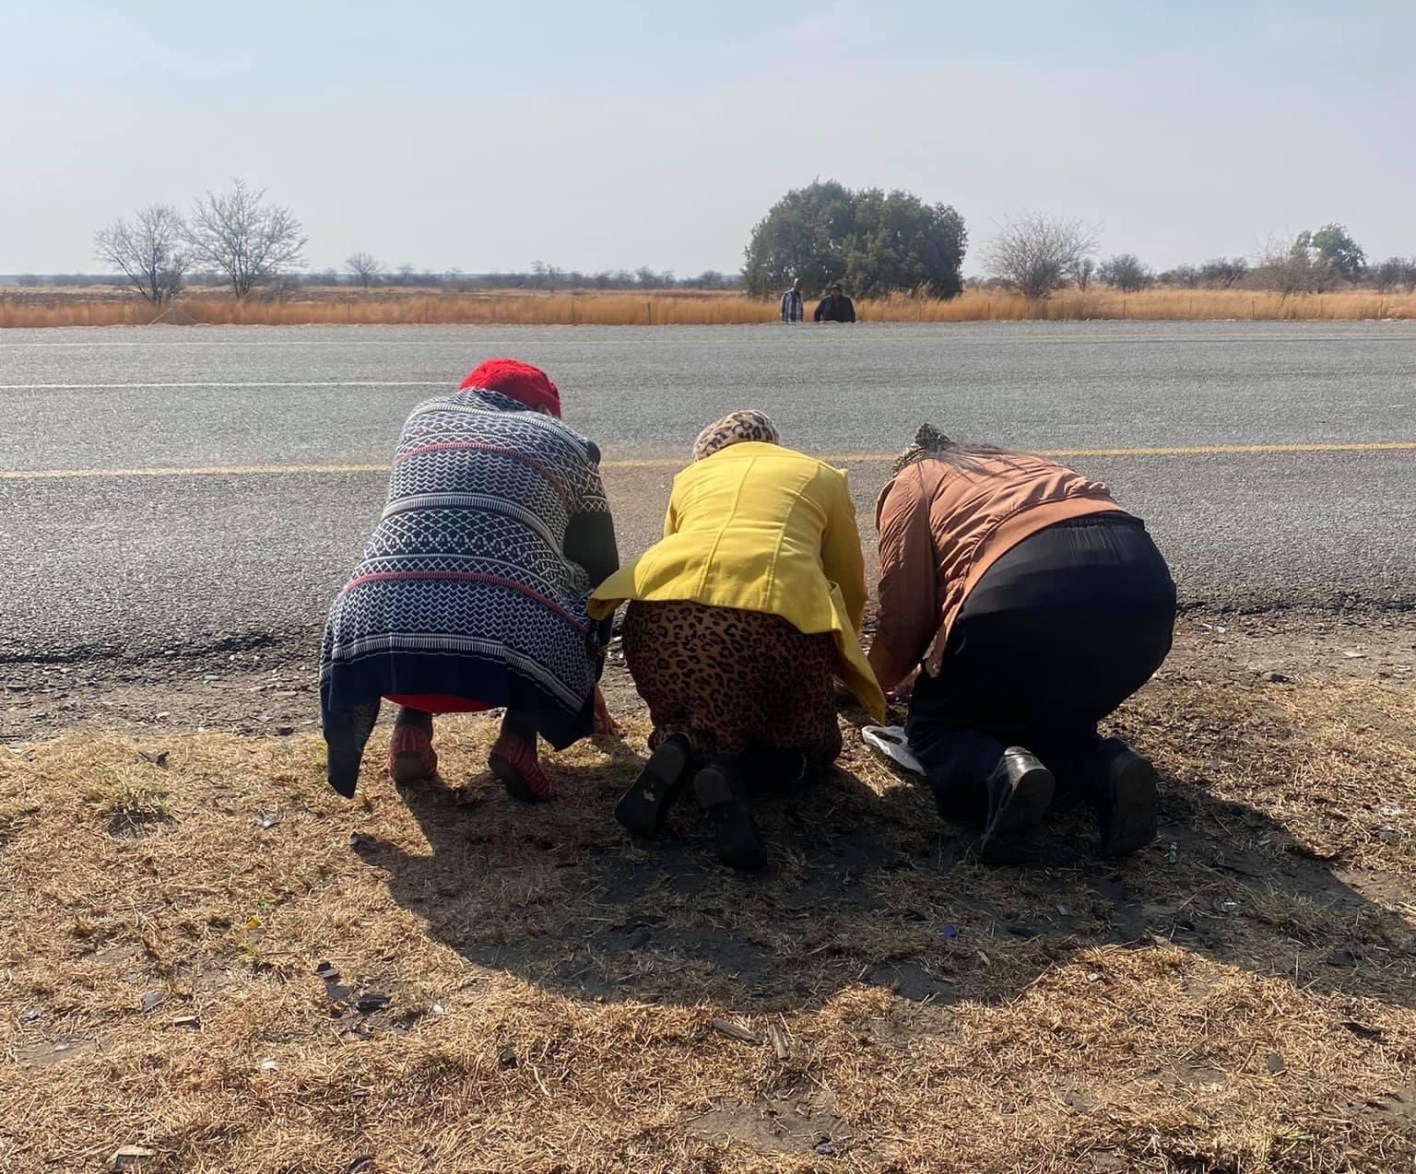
[
  {"x": 1035, "y": 254},
  {"x": 1224, "y": 272},
  {"x": 1125, "y": 272},
  {"x": 1294, "y": 269},
  {"x": 1395, "y": 273},
  {"x": 1083, "y": 272},
  {"x": 147, "y": 251},
  {"x": 245, "y": 238},
  {"x": 364, "y": 268},
  {"x": 1182, "y": 276}
]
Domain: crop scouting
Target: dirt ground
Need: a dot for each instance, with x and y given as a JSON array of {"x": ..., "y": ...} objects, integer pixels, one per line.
[
  {"x": 207, "y": 956},
  {"x": 275, "y": 689}
]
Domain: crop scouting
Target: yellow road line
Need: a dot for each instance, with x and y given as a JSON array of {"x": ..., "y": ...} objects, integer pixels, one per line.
[
  {"x": 1196, "y": 450},
  {"x": 1190, "y": 450}
]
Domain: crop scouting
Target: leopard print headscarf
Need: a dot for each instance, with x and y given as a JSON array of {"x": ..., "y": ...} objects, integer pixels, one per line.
[
  {"x": 928, "y": 440},
  {"x": 733, "y": 429}
]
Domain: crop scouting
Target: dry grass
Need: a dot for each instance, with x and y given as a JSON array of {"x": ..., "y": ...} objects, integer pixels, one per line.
[
  {"x": 1151, "y": 305},
  {"x": 683, "y": 307},
  {"x": 341, "y": 307},
  {"x": 1237, "y": 998}
]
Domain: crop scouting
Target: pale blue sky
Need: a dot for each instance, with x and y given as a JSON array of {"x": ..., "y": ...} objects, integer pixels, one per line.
[{"x": 620, "y": 133}]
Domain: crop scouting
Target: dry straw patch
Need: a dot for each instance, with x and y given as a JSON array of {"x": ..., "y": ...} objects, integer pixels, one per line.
[
  {"x": 108, "y": 307},
  {"x": 1238, "y": 997}
]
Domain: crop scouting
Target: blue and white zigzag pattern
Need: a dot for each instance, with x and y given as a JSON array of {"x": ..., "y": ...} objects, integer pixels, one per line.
[{"x": 466, "y": 560}]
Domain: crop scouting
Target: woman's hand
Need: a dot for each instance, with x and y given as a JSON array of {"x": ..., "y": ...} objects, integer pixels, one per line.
[
  {"x": 605, "y": 723},
  {"x": 901, "y": 693}
]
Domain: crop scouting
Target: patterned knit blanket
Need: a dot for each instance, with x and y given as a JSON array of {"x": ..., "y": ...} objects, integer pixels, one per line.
[{"x": 464, "y": 589}]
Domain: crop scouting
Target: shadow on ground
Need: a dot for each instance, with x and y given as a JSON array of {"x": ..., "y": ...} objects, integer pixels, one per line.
[{"x": 868, "y": 885}]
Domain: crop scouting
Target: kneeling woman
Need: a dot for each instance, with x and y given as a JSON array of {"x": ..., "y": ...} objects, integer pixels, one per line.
[
  {"x": 472, "y": 591},
  {"x": 1033, "y": 605},
  {"x": 740, "y": 621}
]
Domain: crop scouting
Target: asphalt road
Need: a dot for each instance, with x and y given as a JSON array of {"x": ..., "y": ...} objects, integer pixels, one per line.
[{"x": 108, "y": 559}]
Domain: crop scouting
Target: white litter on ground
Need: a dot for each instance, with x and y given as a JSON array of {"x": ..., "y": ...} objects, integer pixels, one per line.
[{"x": 892, "y": 743}]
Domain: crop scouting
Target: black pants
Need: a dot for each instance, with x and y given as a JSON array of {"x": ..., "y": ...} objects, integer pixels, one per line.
[{"x": 1058, "y": 632}]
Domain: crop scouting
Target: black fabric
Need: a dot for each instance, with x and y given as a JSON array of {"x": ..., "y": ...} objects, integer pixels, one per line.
[
  {"x": 1058, "y": 632},
  {"x": 835, "y": 309},
  {"x": 414, "y": 717},
  {"x": 590, "y": 542},
  {"x": 499, "y": 686}
]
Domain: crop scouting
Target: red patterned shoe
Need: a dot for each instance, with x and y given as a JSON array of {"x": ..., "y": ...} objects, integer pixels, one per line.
[
  {"x": 513, "y": 760},
  {"x": 411, "y": 757}
]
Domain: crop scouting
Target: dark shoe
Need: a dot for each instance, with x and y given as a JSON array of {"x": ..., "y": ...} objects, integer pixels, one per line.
[
  {"x": 644, "y": 807},
  {"x": 1019, "y": 793},
  {"x": 1125, "y": 799},
  {"x": 721, "y": 791}
]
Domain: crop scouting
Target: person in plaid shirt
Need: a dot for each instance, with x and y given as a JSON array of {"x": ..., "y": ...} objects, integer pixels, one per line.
[{"x": 792, "y": 308}]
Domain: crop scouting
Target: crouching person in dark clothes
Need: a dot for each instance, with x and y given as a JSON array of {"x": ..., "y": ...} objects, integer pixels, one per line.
[{"x": 1031, "y": 605}]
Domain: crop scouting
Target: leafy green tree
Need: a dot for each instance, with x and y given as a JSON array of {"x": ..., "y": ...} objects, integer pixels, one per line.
[
  {"x": 1334, "y": 245},
  {"x": 872, "y": 241}
]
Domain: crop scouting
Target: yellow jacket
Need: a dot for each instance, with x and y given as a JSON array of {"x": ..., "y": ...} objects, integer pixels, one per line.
[{"x": 761, "y": 528}]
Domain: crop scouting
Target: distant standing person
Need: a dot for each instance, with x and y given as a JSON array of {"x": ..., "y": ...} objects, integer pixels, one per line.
[
  {"x": 793, "y": 309},
  {"x": 835, "y": 307}
]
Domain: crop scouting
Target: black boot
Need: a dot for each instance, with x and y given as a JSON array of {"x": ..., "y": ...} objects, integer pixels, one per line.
[
  {"x": 644, "y": 807},
  {"x": 1019, "y": 792},
  {"x": 723, "y": 794},
  {"x": 1124, "y": 797}
]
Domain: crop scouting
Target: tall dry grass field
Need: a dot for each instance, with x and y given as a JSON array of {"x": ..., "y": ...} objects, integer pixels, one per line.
[
  {"x": 1151, "y": 305},
  {"x": 676, "y": 308}
]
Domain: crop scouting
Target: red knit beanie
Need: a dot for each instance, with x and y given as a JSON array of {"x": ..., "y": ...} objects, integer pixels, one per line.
[{"x": 521, "y": 381}]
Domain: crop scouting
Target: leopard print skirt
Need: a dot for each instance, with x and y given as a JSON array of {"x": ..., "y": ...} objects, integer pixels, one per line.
[{"x": 733, "y": 681}]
